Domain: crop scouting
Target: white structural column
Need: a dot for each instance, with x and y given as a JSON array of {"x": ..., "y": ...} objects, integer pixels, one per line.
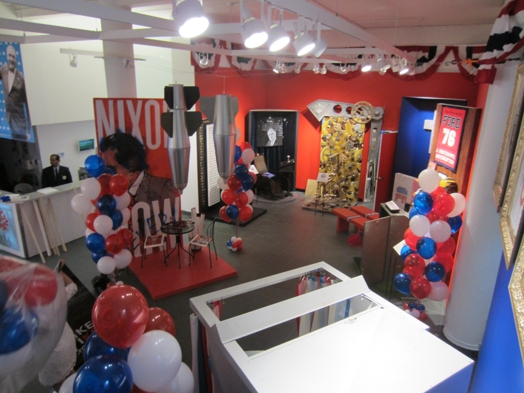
[
  {"x": 480, "y": 247},
  {"x": 119, "y": 63}
]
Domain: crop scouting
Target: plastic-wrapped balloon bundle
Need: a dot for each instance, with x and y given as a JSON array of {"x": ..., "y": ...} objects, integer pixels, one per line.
[
  {"x": 416, "y": 310},
  {"x": 236, "y": 190},
  {"x": 235, "y": 243},
  {"x": 428, "y": 253},
  {"x": 32, "y": 317},
  {"x": 104, "y": 202},
  {"x": 133, "y": 348}
]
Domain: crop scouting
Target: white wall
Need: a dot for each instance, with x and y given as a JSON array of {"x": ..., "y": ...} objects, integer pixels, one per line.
[{"x": 63, "y": 139}]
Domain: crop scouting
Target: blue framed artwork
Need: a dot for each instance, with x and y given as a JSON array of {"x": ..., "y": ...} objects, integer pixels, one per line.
[{"x": 10, "y": 236}]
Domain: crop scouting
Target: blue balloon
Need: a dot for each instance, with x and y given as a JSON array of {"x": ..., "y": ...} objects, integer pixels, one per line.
[
  {"x": 94, "y": 165},
  {"x": 426, "y": 247},
  {"x": 241, "y": 172},
  {"x": 4, "y": 294},
  {"x": 106, "y": 204},
  {"x": 405, "y": 252},
  {"x": 96, "y": 243},
  {"x": 455, "y": 223},
  {"x": 423, "y": 202},
  {"x": 402, "y": 283},
  {"x": 96, "y": 256},
  {"x": 238, "y": 153},
  {"x": 435, "y": 271},
  {"x": 95, "y": 346},
  {"x": 105, "y": 373},
  {"x": 17, "y": 328},
  {"x": 412, "y": 305},
  {"x": 117, "y": 219},
  {"x": 109, "y": 170},
  {"x": 413, "y": 212},
  {"x": 248, "y": 182},
  {"x": 421, "y": 307},
  {"x": 232, "y": 211}
]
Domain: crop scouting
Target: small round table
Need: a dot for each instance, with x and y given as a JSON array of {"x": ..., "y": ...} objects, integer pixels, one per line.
[{"x": 178, "y": 228}]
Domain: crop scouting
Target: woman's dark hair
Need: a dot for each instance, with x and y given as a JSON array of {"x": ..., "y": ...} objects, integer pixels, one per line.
[{"x": 130, "y": 152}]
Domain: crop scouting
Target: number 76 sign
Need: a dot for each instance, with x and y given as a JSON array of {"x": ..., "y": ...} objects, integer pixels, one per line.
[{"x": 449, "y": 135}]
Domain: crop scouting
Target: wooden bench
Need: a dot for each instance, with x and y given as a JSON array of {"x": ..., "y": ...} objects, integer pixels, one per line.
[
  {"x": 344, "y": 216},
  {"x": 364, "y": 211}
]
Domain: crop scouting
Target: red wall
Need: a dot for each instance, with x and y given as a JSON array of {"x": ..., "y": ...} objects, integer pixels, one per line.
[{"x": 295, "y": 92}]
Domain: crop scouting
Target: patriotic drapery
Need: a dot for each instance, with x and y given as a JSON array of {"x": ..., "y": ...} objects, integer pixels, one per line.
[{"x": 507, "y": 37}]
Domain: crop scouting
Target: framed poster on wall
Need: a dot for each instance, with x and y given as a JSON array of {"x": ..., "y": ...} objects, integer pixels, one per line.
[
  {"x": 10, "y": 236},
  {"x": 449, "y": 137}
]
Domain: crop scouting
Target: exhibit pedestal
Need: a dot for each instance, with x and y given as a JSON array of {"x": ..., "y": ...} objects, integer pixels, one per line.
[{"x": 369, "y": 350}]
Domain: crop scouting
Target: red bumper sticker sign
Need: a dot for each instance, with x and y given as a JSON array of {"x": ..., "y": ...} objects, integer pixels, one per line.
[{"x": 449, "y": 136}]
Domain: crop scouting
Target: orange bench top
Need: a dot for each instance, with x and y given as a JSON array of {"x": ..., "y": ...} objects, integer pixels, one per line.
[{"x": 364, "y": 211}]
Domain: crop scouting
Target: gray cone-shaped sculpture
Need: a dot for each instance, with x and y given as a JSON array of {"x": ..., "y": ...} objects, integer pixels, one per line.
[
  {"x": 224, "y": 132},
  {"x": 179, "y": 147}
]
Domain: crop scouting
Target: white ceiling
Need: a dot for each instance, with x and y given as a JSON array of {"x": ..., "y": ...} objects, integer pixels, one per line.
[{"x": 346, "y": 24}]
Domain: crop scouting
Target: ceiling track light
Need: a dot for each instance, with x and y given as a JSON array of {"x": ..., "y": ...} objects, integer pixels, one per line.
[
  {"x": 320, "y": 44},
  {"x": 303, "y": 43},
  {"x": 404, "y": 67},
  {"x": 344, "y": 68},
  {"x": 204, "y": 60},
  {"x": 253, "y": 32},
  {"x": 316, "y": 68},
  {"x": 323, "y": 70},
  {"x": 190, "y": 18},
  {"x": 278, "y": 36},
  {"x": 297, "y": 68},
  {"x": 366, "y": 65}
]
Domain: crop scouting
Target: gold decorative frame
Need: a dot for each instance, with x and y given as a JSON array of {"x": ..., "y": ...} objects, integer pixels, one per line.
[
  {"x": 508, "y": 142},
  {"x": 516, "y": 294},
  {"x": 512, "y": 211}
]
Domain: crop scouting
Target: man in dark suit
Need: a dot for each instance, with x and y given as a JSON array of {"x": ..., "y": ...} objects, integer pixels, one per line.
[
  {"x": 55, "y": 175},
  {"x": 16, "y": 110}
]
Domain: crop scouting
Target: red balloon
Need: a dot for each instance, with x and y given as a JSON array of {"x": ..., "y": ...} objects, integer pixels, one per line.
[
  {"x": 104, "y": 180},
  {"x": 118, "y": 185},
  {"x": 136, "y": 389},
  {"x": 405, "y": 306},
  {"x": 414, "y": 265},
  {"x": 245, "y": 145},
  {"x": 443, "y": 204},
  {"x": 234, "y": 183},
  {"x": 439, "y": 190},
  {"x": 445, "y": 259},
  {"x": 120, "y": 315},
  {"x": 423, "y": 316},
  {"x": 42, "y": 288},
  {"x": 127, "y": 236},
  {"x": 228, "y": 196},
  {"x": 241, "y": 199},
  {"x": 90, "y": 220},
  {"x": 447, "y": 246},
  {"x": 114, "y": 244},
  {"x": 411, "y": 239},
  {"x": 159, "y": 319},
  {"x": 245, "y": 213},
  {"x": 420, "y": 287},
  {"x": 223, "y": 214},
  {"x": 432, "y": 216}
]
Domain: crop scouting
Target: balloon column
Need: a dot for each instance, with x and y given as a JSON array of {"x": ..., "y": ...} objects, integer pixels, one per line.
[
  {"x": 133, "y": 348},
  {"x": 104, "y": 202},
  {"x": 428, "y": 253},
  {"x": 32, "y": 317},
  {"x": 237, "y": 193}
]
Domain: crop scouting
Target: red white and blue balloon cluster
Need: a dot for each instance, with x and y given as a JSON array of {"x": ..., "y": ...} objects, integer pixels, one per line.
[
  {"x": 428, "y": 253},
  {"x": 133, "y": 349},
  {"x": 235, "y": 244},
  {"x": 236, "y": 189},
  {"x": 104, "y": 202}
]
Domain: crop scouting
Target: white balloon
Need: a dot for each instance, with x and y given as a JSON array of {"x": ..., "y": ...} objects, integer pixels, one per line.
[
  {"x": 460, "y": 204},
  {"x": 439, "y": 291},
  {"x": 184, "y": 382},
  {"x": 429, "y": 180},
  {"x": 123, "y": 258},
  {"x": 81, "y": 204},
  {"x": 248, "y": 155},
  {"x": 250, "y": 196},
  {"x": 419, "y": 225},
  {"x": 154, "y": 360},
  {"x": 89, "y": 231},
  {"x": 440, "y": 231},
  {"x": 222, "y": 183},
  {"x": 122, "y": 201},
  {"x": 106, "y": 265},
  {"x": 67, "y": 385},
  {"x": 103, "y": 225},
  {"x": 415, "y": 313},
  {"x": 126, "y": 214},
  {"x": 90, "y": 188}
]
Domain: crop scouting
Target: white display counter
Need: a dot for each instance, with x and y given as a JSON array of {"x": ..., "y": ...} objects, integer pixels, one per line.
[
  {"x": 42, "y": 222},
  {"x": 377, "y": 348}
]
